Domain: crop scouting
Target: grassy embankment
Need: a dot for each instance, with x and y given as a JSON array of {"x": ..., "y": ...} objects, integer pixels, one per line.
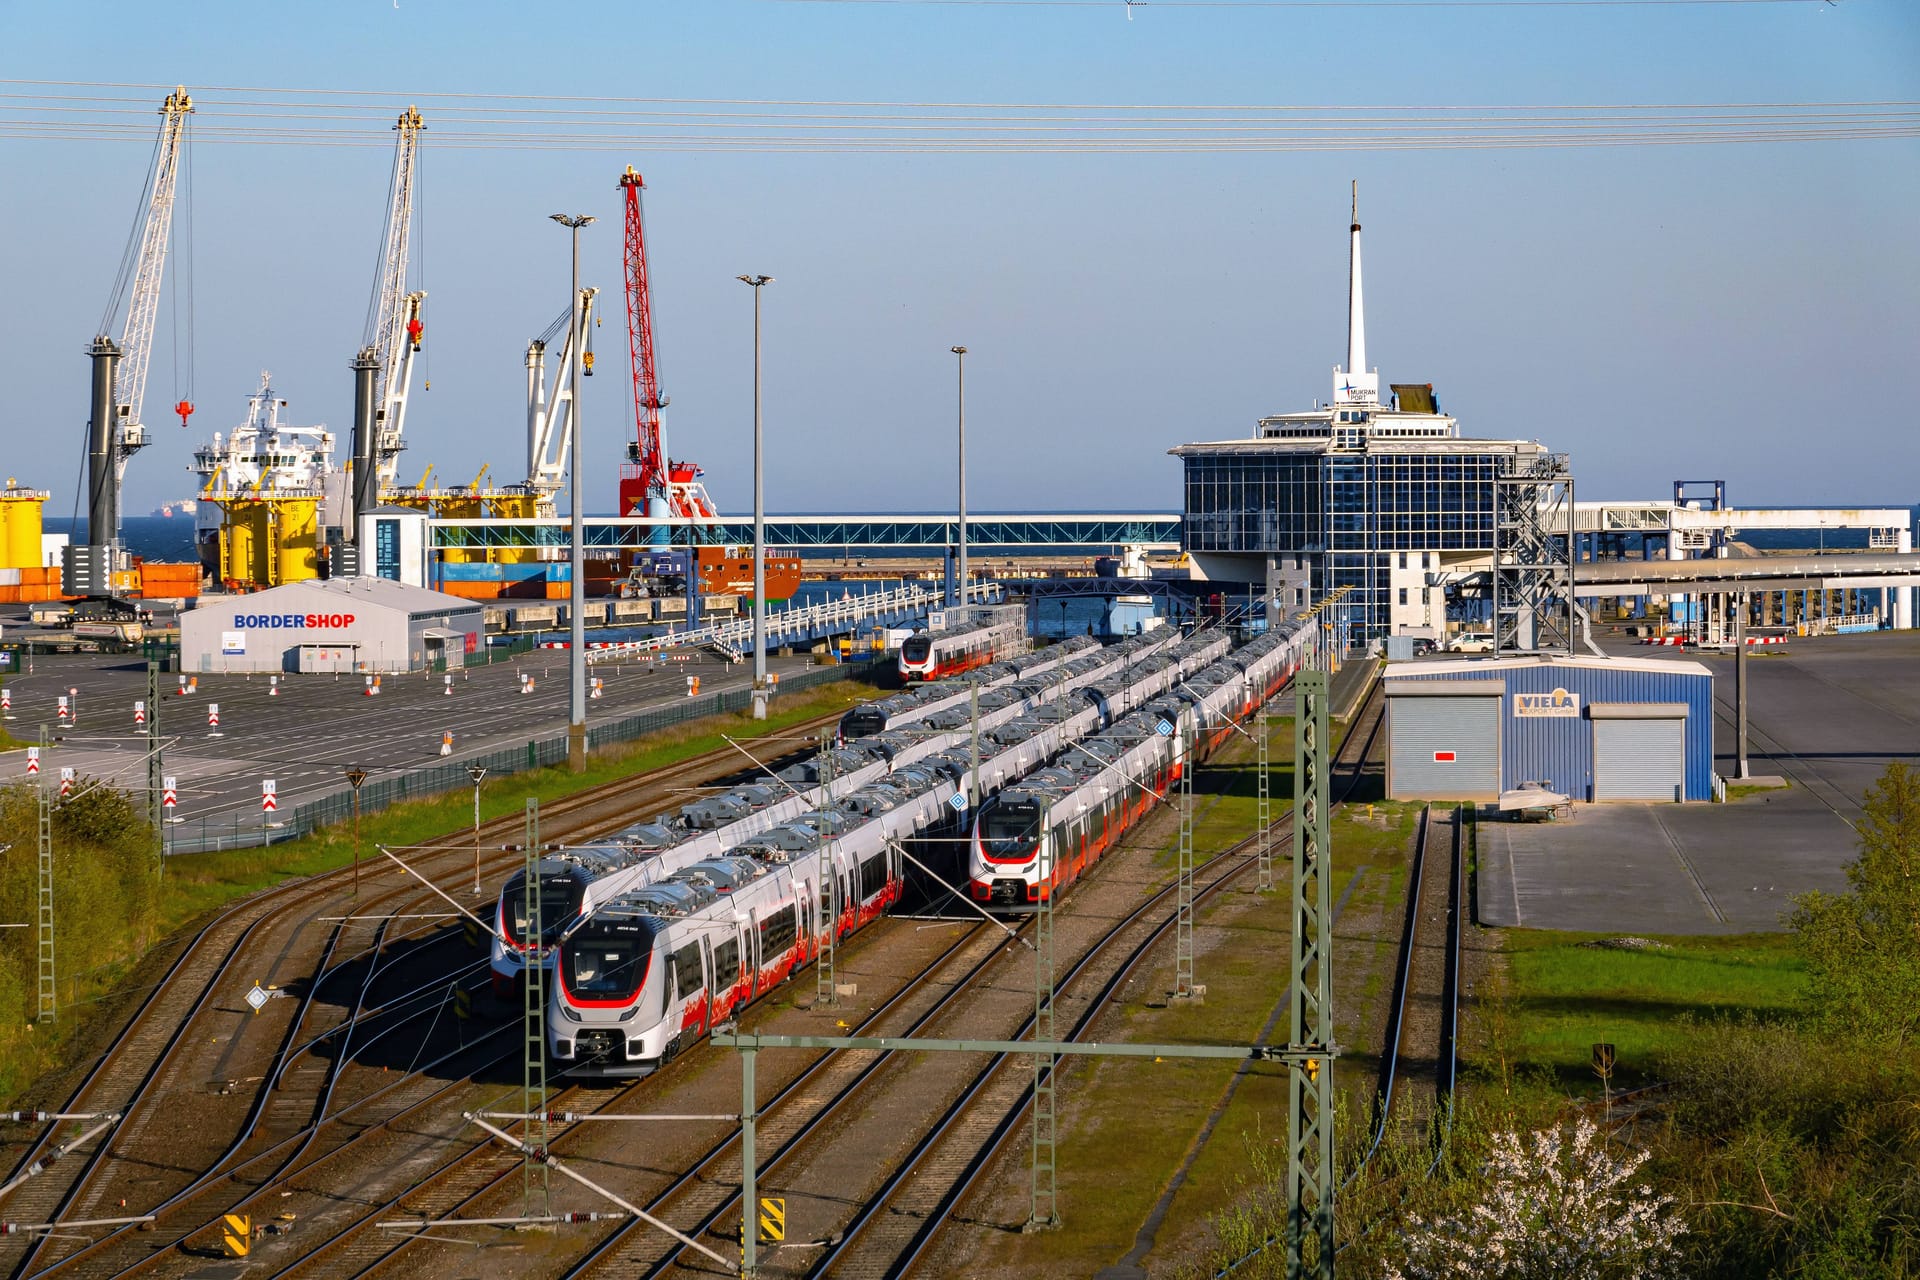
[
  {"x": 111, "y": 916},
  {"x": 1143, "y": 1116}
]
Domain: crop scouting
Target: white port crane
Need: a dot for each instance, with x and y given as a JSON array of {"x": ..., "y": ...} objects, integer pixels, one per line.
[
  {"x": 145, "y": 262},
  {"x": 550, "y": 419},
  {"x": 394, "y": 327}
]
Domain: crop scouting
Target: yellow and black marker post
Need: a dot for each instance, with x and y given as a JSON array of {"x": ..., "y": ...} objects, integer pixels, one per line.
[
  {"x": 773, "y": 1219},
  {"x": 236, "y": 1233}
]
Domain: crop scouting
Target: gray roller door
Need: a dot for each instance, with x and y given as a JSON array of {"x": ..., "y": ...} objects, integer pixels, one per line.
[
  {"x": 1639, "y": 753},
  {"x": 1444, "y": 744}
]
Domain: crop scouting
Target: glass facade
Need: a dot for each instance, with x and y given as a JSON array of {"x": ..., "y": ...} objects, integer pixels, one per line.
[
  {"x": 1349, "y": 514},
  {"x": 1300, "y": 503}
]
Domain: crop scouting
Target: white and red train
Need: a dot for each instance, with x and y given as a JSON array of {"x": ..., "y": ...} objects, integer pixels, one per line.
[
  {"x": 971, "y": 638},
  {"x": 1040, "y": 835},
  {"x": 917, "y": 702},
  {"x": 572, "y": 880},
  {"x": 644, "y": 972}
]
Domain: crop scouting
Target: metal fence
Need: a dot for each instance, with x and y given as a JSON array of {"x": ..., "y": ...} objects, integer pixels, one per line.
[{"x": 242, "y": 831}]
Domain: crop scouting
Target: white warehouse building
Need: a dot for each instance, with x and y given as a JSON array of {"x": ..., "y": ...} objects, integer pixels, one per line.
[{"x": 339, "y": 624}]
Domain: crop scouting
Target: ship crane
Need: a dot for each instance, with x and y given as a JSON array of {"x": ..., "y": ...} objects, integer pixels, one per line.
[
  {"x": 550, "y": 418},
  {"x": 120, "y": 369},
  {"x": 651, "y": 484},
  {"x": 394, "y": 325}
]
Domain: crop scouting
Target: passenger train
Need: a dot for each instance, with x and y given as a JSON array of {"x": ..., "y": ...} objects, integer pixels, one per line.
[
  {"x": 571, "y": 880},
  {"x": 971, "y": 638},
  {"x": 1037, "y": 837},
  {"x": 647, "y": 971},
  {"x": 918, "y": 701}
]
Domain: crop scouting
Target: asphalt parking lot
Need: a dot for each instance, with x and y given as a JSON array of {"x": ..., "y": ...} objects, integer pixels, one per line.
[
  {"x": 1828, "y": 715},
  {"x": 316, "y": 726}
]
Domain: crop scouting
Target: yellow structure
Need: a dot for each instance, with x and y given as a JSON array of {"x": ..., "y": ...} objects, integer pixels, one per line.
[
  {"x": 246, "y": 542},
  {"x": 296, "y": 534},
  {"x": 20, "y": 526}
]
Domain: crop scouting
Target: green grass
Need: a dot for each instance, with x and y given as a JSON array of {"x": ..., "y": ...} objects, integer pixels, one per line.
[{"x": 1562, "y": 995}]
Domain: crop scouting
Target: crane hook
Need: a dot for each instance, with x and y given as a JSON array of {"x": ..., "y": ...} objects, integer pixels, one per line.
[{"x": 185, "y": 410}]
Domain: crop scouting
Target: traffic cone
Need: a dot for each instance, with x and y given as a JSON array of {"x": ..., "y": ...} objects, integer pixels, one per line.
[
  {"x": 446, "y": 744},
  {"x": 273, "y": 686}
]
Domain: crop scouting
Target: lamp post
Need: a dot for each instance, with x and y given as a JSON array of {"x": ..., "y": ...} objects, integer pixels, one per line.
[
  {"x": 577, "y": 628},
  {"x": 476, "y": 772},
  {"x": 960, "y": 357},
  {"x": 757, "y": 283}
]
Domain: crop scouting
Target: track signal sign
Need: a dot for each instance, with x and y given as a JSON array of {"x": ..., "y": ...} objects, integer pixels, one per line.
[
  {"x": 33, "y": 760},
  {"x": 236, "y": 1233},
  {"x": 169, "y": 793},
  {"x": 66, "y": 782},
  {"x": 773, "y": 1219},
  {"x": 269, "y": 799}
]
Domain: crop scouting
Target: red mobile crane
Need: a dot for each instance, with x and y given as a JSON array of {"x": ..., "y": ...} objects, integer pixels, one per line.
[{"x": 650, "y": 483}]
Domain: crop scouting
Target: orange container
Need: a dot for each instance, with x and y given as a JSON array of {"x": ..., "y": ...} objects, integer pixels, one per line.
[{"x": 9, "y": 595}]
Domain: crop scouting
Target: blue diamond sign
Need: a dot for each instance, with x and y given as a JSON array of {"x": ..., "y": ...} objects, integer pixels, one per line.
[
  {"x": 1164, "y": 728},
  {"x": 959, "y": 801}
]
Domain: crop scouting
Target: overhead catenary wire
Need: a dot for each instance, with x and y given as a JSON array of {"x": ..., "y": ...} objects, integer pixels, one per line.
[{"x": 256, "y": 115}]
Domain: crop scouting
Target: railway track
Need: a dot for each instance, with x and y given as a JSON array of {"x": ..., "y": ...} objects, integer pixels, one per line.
[{"x": 146, "y": 1077}]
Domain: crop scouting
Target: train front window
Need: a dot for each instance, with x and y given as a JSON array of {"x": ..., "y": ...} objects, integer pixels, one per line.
[
  {"x": 607, "y": 968},
  {"x": 916, "y": 648},
  {"x": 1009, "y": 832},
  {"x": 556, "y": 909}
]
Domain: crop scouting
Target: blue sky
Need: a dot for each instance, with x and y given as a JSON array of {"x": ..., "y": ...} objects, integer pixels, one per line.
[{"x": 1750, "y": 311}]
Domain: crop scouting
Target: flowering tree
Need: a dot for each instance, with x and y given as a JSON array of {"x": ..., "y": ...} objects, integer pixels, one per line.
[{"x": 1554, "y": 1205}]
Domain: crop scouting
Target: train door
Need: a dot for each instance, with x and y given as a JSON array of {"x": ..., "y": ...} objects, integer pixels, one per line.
[
  {"x": 713, "y": 983},
  {"x": 751, "y": 953}
]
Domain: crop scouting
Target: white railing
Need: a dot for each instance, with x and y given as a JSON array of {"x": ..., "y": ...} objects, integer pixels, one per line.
[
  {"x": 1844, "y": 622},
  {"x": 784, "y": 625}
]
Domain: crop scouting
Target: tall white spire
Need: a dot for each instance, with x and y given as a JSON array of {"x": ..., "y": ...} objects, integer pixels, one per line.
[
  {"x": 1356, "y": 384},
  {"x": 1356, "y": 308}
]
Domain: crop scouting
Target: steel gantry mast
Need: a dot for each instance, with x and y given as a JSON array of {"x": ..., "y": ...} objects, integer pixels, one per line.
[
  {"x": 118, "y": 432},
  {"x": 650, "y": 484},
  {"x": 550, "y": 418},
  {"x": 394, "y": 327}
]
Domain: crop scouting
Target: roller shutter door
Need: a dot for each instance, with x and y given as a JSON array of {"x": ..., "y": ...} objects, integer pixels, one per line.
[
  {"x": 1445, "y": 747},
  {"x": 1639, "y": 759}
]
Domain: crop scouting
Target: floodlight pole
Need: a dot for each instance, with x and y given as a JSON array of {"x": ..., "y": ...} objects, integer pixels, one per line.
[
  {"x": 760, "y": 690},
  {"x": 577, "y": 595}
]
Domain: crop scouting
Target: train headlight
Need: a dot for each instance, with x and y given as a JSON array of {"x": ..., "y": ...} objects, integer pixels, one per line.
[
  {"x": 628, "y": 1015},
  {"x": 570, "y": 1013}
]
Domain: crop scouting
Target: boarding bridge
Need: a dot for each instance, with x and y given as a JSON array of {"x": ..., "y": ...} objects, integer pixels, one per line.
[{"x": 801, "y": 624}]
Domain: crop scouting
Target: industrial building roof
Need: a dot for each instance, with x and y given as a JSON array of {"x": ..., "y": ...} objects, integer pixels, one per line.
[
  {"x": 1479, "y": 666},
  {"x": 379, "y": 591}
]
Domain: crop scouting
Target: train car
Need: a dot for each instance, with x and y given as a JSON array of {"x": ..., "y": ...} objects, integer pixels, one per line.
[
  {"x": 574, "y": 881},
  {"x": 1035, "y": 838},
  {"x": 971, "y": 639},
  {"x": 647, "y": 971},
  {"x": 652, "y": 970},
  {"x": 914, "y": 703},
  {"x": 561, "y": 880}
]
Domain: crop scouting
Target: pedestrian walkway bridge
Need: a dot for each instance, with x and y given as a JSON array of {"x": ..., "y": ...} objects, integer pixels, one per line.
[{"x": 848, "y": 536}]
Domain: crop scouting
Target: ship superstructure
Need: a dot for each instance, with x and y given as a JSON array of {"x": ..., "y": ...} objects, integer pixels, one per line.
[{"x": 261, "y": 462}]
